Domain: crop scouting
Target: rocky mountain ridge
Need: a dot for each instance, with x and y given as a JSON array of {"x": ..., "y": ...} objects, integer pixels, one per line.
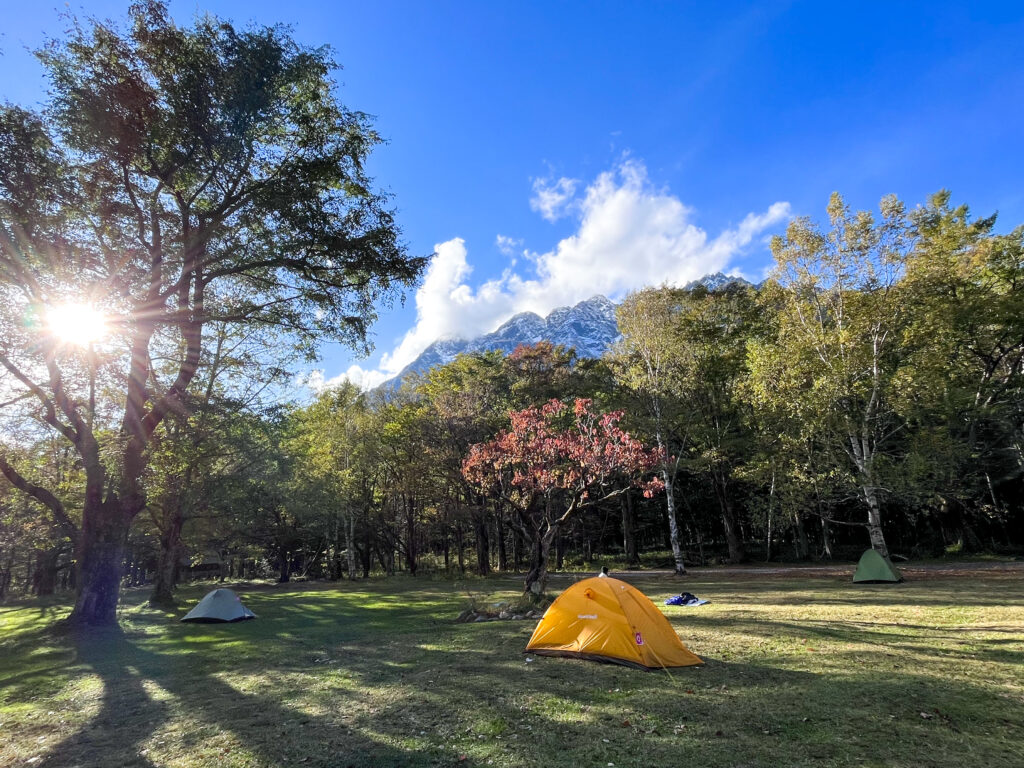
[{"x": 589, "y": 327}]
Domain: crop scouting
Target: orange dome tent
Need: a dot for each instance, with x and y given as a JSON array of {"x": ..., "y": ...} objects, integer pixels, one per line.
[{"x": 605, "y": 619}]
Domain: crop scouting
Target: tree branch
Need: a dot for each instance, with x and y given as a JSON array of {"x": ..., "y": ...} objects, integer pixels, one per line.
[
  {"x": 49, "y": 408},
  {"x": 40, "y": 494}
]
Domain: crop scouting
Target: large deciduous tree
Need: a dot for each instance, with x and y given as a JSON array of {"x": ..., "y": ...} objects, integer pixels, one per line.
[
  {"x": 837, "y": 355},
  {"x": 179, "y": 176},
  {"x": 963, "y": 389},
  {"x": 555, "y": 461}
]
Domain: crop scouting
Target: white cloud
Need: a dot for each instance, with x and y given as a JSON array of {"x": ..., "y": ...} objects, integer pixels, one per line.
[
  {"x": 364, "y": 378},
  {"x": 630, "y": 235},
  {"x": 508, "y": 245},
  {"x": 553, "y": 199},
  {"x": 314, "y": 380}
]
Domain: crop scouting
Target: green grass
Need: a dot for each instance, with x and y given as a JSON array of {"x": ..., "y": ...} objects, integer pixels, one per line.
[{"x": 809, "y": 672}]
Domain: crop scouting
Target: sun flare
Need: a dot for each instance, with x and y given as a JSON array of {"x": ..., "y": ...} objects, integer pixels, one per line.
[{"x": 78, "y": 324}]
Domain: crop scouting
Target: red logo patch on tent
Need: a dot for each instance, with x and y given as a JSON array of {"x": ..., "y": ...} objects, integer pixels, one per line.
[{"x": 639, "y": 639}]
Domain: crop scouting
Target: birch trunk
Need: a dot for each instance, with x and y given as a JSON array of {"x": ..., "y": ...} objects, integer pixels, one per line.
[
  {"x": 673, "y": 525},
  {"x": 863, "y": 458},
  {"x": 350, "y": 544}
]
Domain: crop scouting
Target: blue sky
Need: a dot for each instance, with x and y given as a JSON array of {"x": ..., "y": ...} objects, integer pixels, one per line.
[{"x": 616, "y": 144}]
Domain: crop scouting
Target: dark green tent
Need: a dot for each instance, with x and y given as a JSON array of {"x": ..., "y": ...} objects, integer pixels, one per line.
[{"x": 875, "y": 569}]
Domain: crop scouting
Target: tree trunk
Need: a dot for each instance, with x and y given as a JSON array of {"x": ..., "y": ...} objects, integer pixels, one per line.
[
  {"x": 802, "y": 549},
  {"x": 694, "y": 531},
  {"x": 100, "y": 555},
  {"x": 335, "y": 571},
  {"x": 367, "y": 551},
  {"x": 732, "y": 533},
  {"x": 6, "y": 573},
  {"x": 446, "y": 544},
  {"x": 502, "y": 551},
  {"x": 732, "y": 537},
  {"x": 540, "y": 549},
  {"x": 863, "y": 457},
  {"x": 44, "y": 578},
  {"x": 460, "y": 546},
  {"x": 410, "y": 536},
  {"x": 284, "y": 564},
  {"x": 826, "y": 540},
  {"x": 517, "y": 550},
  {"x": 673, "y": 525},
  {"x": 167, "y": 560},
  {"x": 699, "y": 536},
  {"x": 350, "y": 544},
  {"x": 628, "y": 532},
  {"x": 131, "y": 568},
  {"x": 875, "y": 521},
  {"x": 483, "y": 545}
]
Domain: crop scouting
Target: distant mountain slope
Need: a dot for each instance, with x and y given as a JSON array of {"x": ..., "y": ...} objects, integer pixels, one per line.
[
  {"x": 589, "y": 327},
  {"x": 717, "y": 281}
]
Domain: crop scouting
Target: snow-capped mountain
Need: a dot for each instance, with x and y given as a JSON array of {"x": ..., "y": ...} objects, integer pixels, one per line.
[
  {"x": 717, "y": 282},
  {"x": 589, "y": 328}
]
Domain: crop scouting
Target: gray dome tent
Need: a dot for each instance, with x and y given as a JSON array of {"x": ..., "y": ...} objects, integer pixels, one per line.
[{"x": 219, "y": 605}]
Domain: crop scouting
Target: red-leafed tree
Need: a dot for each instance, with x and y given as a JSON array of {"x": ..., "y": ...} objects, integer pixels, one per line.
[{"x": 555, "y": 461}]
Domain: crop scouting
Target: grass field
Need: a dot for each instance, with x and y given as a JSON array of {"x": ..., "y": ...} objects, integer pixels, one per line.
[{"x": 808, "y": 672}]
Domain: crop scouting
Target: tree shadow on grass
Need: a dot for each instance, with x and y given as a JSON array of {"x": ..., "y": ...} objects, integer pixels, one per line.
[
  {"x": 33, "y": 663},
  {"x": 724, "y": 714},
  {"x": 129, "y": 716}
]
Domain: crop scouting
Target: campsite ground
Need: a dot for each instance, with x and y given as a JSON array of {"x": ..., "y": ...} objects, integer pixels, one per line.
[{"x": 801, "y": 671}]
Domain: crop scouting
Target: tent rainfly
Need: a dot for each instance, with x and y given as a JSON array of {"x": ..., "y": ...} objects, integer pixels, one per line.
[
  {"x": 875, "y": 569},
  {"x": 605, "y": 619},
  {"x": 219, "y": 605}
]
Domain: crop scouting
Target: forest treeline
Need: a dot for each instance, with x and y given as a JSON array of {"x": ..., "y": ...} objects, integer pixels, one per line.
[{"x": 869, "y": 393}]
